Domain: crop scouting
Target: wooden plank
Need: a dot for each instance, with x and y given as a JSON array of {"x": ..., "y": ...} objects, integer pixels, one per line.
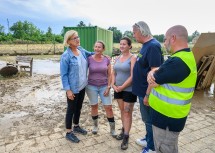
[
  {"x": 201, "y": 79},
  {"x": 210, "y": 75},
  {"x": 203, "y": 65},
  {"x": 206, "y": 64},
  {"x": 24, "y": 59}
]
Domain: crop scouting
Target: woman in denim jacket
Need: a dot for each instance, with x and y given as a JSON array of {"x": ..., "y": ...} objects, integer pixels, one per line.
[{"x": 73, "y": 70}]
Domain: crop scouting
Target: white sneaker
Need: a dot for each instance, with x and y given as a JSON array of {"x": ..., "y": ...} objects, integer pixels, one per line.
[
  {"x": 147, "y": 150},
  {"x": 142, "y": 142}
]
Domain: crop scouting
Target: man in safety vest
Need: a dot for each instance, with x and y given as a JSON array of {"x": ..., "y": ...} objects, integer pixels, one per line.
[{"x": 172, "y": 87}]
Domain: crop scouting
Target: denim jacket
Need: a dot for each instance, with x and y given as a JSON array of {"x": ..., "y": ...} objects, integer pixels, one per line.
[{"x": 69, "y": 69}]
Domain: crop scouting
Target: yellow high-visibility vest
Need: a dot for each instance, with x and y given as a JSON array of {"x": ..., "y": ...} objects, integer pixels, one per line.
[{"x": 174, "y": 100}]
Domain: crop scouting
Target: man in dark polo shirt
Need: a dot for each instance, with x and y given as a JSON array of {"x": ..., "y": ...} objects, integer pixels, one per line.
[{"x": 149, "y": 57}]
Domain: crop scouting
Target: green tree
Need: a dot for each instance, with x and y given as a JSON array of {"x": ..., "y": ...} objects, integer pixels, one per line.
[
  {"x": 129, "y": 34},
  {"x": 59, "y": 38},
  {"x": 117, "y": 34},
  {"x": 31, "y": 31},
  {"x": 2, "y": 34},
  {"x": 49, "y": 35},
  {"x": 190, "y": 39},
  {"x": 43, "y": 38},
  {"x": 160, "y": 38},
  {"x": 17, "y": 30},
  {"x": 195, "y": 34},
  {"x": 6, "y": 37},
  {"x": 81, "y": 24},
  {"x": 1, "y": 30},
  {"x": 25, "y": 31}
]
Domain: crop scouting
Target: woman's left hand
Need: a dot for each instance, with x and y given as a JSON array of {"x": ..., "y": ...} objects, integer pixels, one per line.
[
  {"x": 106, "y": 93},
  {"x": 120, "y": 88}
]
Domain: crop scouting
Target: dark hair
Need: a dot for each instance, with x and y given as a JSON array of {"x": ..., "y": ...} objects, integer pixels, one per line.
[
  {"x": 101, "y": 42},
  {"x": 128, "y": 41}
]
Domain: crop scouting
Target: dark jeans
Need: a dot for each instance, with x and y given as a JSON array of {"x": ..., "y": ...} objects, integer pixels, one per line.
[
  {"x": 147, "y": 119},
  {"x": 74, "y": 109}
]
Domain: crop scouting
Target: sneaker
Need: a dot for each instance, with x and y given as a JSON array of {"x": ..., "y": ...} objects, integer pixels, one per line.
[
  {"x": 141, "y": 142},
  {"x": 147, "y": 150},
  {"x": 120, "y": 136},
  {"x": 78, "y": 129},
  {"x": 72, "y": 137},
  {"x": 124, "y": 144}
]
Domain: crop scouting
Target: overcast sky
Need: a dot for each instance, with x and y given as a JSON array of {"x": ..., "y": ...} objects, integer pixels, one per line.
[{"x": 159, "y": 14}]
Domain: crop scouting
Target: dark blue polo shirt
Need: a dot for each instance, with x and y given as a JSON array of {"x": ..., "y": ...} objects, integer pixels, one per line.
[
  {"x": 150, "y": 56},
  {"x": 173, "y": 70}
]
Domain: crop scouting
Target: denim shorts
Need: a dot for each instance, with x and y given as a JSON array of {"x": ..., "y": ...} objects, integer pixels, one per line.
[{"x": 93, "y": 92}]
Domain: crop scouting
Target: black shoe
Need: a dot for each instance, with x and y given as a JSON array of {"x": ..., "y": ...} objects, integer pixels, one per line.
[
  {"x": 124, "y": 144},
  {"x": 78, "y": 129},
  {"x": 72, "y": 137},
  {"x": 121, "y": 135}
]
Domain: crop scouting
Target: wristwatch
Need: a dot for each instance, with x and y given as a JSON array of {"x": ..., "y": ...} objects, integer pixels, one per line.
[{"x": 147, "y": 95}]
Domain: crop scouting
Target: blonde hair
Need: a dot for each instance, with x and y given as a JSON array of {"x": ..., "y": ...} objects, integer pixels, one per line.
[
  {"x": 68, "y": 35},
  {"x": 101, "y": 42}
]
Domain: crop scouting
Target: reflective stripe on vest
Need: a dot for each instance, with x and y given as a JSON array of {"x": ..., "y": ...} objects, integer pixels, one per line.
[
  {"x": 178, "y": 89},
  {"x": 170, "y": 100}
]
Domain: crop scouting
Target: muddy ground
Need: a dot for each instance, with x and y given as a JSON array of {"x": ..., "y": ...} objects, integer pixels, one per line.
[
  {"x": 31, "y": 104},
  {"x": 38, "y": 103}
]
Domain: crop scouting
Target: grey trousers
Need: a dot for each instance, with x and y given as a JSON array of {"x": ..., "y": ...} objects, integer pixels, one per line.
[{"x": 165, "y": 141}]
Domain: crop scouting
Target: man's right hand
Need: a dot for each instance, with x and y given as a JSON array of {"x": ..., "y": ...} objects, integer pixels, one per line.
[
  {"x": 146, "y": 101},
  {"x": 70, "y": 94}
]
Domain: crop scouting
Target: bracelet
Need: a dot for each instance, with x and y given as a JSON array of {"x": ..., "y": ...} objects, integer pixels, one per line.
[
  {"x": 108, "y": 87},
  {"x": 147, "y": 95}
]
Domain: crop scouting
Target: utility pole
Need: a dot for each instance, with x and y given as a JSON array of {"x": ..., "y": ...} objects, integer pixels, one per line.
[{"x": 8, "y": 26}]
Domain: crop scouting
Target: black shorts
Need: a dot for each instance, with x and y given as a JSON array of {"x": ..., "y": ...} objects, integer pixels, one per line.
[{"x": 126, "y": 96}]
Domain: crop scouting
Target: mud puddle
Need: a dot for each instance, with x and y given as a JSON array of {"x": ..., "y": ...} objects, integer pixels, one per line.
[{"x": 48, "y": 67}]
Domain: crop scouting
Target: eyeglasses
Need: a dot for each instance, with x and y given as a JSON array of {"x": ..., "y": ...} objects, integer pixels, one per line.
[
  {"x": 74, "y": 39},
  {"x": 137, "y": 25}
]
